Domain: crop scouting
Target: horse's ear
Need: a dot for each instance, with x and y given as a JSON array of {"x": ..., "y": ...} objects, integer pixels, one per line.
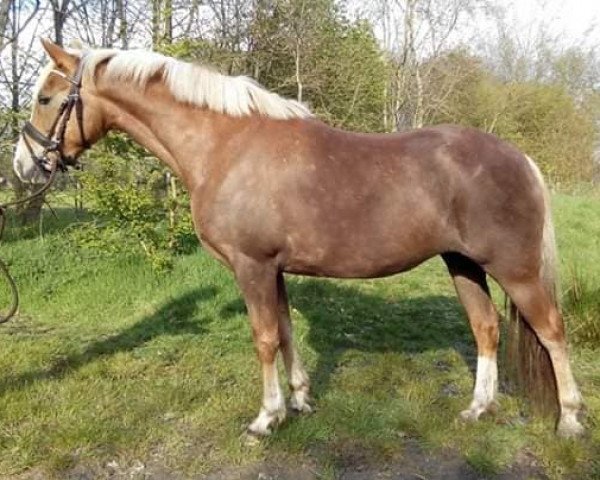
[{"x": 64, "y": 61}]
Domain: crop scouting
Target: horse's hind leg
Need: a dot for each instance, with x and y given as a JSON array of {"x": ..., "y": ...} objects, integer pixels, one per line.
[
  {"x": 297, "y": 377},
  {"x": 473, "y": 292},
  {"x": 535, "y": 304}
]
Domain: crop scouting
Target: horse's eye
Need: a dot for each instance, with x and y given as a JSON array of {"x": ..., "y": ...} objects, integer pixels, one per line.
[{"x": 43, "y": 100}]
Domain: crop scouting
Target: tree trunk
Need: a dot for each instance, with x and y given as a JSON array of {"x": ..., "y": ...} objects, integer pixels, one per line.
[
  {"x": 298, "y": 78},
  {"x": 4, "y": 12},
  {"x": 172, "y": 202},
  {"x": 29, "y": 211},
  {"x": 168, "y": 22},
  {"x": 122, "y": 14},
  {"x": 418, "y": 113},
  {"x": 155, "y": 23},
  {"x": 59, "y": 13}
]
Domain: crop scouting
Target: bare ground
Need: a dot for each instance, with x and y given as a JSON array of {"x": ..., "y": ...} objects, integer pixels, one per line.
[{"x": 350, "y": 463}]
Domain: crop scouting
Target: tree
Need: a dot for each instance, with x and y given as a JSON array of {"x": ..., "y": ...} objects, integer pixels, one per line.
[
  {"x": 60, "y": 13},
  {"x": 543, "y": 120},
  {"x": 18, "y": 70},
  {"x": 310, "y": 51},
  {"x": 6, "y": 7},
  {"x": 413, "y": 32}
]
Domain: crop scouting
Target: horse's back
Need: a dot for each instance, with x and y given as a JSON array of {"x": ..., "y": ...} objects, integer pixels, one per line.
[{"x": 334, "y": 203}]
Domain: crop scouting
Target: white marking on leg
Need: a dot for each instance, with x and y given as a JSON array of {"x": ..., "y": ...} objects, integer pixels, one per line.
[
  {"x": 486, "y": 386},
  {"x": 569, "y": 398},
  {"x": 299, "y": 383},
  {"x": 273, "y": 408}
]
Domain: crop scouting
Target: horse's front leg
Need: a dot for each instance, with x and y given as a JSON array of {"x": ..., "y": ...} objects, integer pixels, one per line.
[{"x": 258, "y": 283}]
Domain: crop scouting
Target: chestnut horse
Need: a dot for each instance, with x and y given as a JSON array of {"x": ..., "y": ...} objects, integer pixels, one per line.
[{"x": 273, "y": 191}]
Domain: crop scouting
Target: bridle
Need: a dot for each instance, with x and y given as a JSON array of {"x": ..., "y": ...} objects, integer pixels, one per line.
[{"x": 53, "y": 142}]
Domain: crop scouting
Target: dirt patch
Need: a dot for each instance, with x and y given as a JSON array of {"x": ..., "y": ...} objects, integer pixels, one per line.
[
  {"x": 350, "y": 462},
  {"x": 353, "y": 462},
  {"x": 417, "y": 463}
]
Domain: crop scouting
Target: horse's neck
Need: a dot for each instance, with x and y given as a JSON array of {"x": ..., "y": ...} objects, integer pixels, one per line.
[{"x": 180, "y": 135}]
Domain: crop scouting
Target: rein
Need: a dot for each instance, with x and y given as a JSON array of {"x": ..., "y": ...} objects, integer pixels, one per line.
[
  {"x": 3, "y": 267},
  {"x": 51, "y": 143}
]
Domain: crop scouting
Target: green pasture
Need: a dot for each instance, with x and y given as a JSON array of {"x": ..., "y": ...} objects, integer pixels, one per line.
[{"x": 115, "y": 370}]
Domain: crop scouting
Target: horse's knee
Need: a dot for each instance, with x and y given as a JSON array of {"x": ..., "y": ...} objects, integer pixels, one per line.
[{"x": 266, "y": 344}]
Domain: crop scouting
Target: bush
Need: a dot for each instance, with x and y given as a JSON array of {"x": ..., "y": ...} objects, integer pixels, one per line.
[
  {"x": 133, "y": 204},
  {"x": 543, "y": 120}
]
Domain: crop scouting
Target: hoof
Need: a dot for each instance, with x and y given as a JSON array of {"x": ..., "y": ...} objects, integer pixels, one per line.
[
  {"x": 263, "y": 424},
  {"x": 569, "y": 429},
  {"x": 305, "y": 408},
  {"x": 474, "y": 413},
  {"x": 299, "y": 402},
  {"x": 258, "y": 431},
  {"x": 470, "y": 415}
]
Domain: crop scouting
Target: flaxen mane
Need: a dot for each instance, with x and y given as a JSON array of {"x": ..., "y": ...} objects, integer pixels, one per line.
[{"x": 195, "y": 84}]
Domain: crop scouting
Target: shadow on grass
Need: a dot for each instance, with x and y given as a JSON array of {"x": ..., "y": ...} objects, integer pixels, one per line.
[
  {"x": 176, "y": 317},
  {"x": 342, "y": 317}
]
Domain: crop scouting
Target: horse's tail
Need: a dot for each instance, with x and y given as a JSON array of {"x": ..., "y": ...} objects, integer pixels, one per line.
[{"x": 528, "y": 364}]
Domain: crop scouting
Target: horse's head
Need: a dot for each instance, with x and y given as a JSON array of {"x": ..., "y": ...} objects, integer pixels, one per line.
[{"x": 65, "y": 119}]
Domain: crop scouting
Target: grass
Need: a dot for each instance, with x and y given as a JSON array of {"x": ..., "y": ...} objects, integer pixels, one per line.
[{"x": 111, "y": 365}]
